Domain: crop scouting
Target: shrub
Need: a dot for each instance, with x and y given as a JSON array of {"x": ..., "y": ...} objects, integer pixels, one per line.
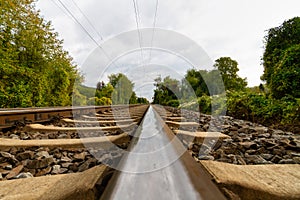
[{"x": 173, "y": 103}]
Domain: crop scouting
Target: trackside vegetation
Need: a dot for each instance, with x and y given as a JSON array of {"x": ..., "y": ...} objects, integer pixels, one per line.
[
  {"x": 36, "y": 71},
  {"x": 274, "y": 103}
]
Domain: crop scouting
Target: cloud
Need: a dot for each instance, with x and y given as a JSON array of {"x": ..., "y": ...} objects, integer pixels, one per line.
[{"x": 231, "y": 28}]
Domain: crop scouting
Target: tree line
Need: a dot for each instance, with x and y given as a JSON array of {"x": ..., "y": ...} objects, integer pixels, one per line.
[
  {"x": 34, "y": 68},
  {"x": 36, "y": 71},
  {"x": 198, "y": 83},
  {"x": 119, "y": 90},
  {"x": 276, "y": 102}
]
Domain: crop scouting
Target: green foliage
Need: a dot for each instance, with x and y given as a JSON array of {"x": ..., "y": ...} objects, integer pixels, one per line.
[
  {"x": 174, "y": 103},
  {"x": 285, "y": 79},
  {"x": 251, "y": 106},
  {"x": 261, "y": 109},
  {"x": 133, "y": 98},
  {"x": 106, "y": 94},
  {"x": 86, "y": 91},
  {"x": 99, "y": 101},
  {"x": 104, "y": 91},
  {"x": 104, "y": 101},
  {"x": 281, "y": 58},
  {"x": 79, "y": 99},
  {"x": 142, "y": 100},
  {"x": 195, "y": 79},
  {"x": 212, "y": 82},
  {"x": 228, "y": 69},
  {"x": 204, "y": 103},
  {"x": 34, "y": 69},
  {"x": 166, "y": 91},
  {"x": 123, "y": 89}
]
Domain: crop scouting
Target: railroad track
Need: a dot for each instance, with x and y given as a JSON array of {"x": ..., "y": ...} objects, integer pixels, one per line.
[{"x": 118, "y": 152}]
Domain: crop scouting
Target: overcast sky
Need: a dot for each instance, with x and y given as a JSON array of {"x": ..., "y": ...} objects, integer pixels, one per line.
[{"x": 233, "y": 28}]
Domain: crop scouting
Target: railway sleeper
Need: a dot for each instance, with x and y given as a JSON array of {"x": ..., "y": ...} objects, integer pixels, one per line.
[
  {"x": 103, "y": 142},
  {"x": 77, "y": 186},
  {"x": 39, "y": 127}
]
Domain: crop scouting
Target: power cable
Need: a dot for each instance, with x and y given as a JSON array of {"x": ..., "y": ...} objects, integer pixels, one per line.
[
  {"x": 63, "y": 10},
  {"x": 137, "y": 18},
  {"x": 84, "y": 29},
  {"x": 153, "y": 29},
  {"x": 87, "y": 19}
]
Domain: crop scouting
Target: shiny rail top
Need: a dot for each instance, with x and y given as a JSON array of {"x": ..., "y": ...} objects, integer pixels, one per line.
[{"x": 154, "y": 170}]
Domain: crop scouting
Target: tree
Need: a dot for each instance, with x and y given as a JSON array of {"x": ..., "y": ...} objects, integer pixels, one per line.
[
  {"x": 104, "y": 90},
  {"x": 166, "y": 91},
  {"x": 214, "y": 83},
  {"x": 196, "y": 80},
  {"x": 142, "y": 100},
  {"x": 278, "y": 56},
  {"x": 133, "y": 99},
  {"x": 34, "y": 68},
  {"x": 285, "y": 79},
  {"x": 228, "y": 69},
  {"x": 202, "y": 82},
  {"x": 123, "y": 89}
]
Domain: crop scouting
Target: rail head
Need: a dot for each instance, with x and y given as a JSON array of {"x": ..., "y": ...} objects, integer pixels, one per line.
[{"x": 183, "y": 177}]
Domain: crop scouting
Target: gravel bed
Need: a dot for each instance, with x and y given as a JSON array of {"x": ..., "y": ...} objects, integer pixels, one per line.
[
  {"x": 20, "y": 133},
  {"x": 249, "y": 143},
  {"x": 34, "y": 162},
  {"x": 43, "y": 161}
]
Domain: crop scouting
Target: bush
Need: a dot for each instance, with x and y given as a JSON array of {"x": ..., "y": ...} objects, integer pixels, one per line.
[
  {"x": 104, "y": 101},
  {"x": 173, "y": 103},
  {"x": 262, "y": 109},
  {"x": 204, "y": 103},
  {"x": 255, "y": 107},
  {"x": 99, "y": 101}
]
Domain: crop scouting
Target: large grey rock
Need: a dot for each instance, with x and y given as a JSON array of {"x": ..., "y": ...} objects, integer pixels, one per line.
[
  {"x": 25, "y": 155},
  {"x": 266, "y": 156},
  {"x": 43, "y": 154},
  {"x": 65, "y": 159},
  {"x": 87, "y": 164},
  {"x": 80, "y": 156},
  {"x": 287, "y": 161},
  {"x": 38, "y": 164},
  {"x": 248, "y": 145},
  {"x": 205, "y": 157},
  {"x": 9, "y": 157},
  {"x": 255, "y": 159},
  {"x": 276, "y": 159}
]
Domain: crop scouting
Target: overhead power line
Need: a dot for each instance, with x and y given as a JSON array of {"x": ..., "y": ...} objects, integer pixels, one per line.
[
  {"x": 137, "y": 20},
  {"x": 153, "y": 29},
  {"x": 85, "y": 30},
  {"x": 63, "y": 10},
  {"x": 87, "y": 19}
]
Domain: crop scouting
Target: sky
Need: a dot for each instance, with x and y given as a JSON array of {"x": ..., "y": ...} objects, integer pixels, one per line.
[{"x": 231, "y": 28}]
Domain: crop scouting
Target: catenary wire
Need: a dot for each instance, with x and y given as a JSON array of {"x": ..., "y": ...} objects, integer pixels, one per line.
[
  {"x": 153, "y": 29},
  {"x": 137, "y": 19},
  {"x": 87, "y": 19},
  {"x": 84, "y": 29}
]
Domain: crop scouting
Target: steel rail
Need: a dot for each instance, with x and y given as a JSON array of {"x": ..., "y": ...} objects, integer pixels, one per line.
[
  {"x": 9, "y": 118},
  {"x": 182, "y": 178}
]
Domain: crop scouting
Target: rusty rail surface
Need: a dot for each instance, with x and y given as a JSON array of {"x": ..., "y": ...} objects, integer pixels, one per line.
[{"x": 11, "y": 117}]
